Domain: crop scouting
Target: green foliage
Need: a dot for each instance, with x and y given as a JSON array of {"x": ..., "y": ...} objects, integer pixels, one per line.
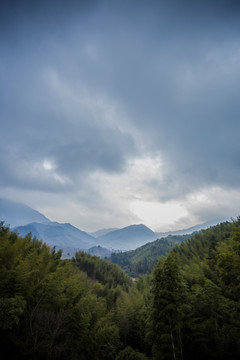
[
  {"x": 101, "y": 270},
  {"x": 88, "y": 308},
  {"x": 49, "y": 309},
  {"x": 130, "y": 354},
  {"x": 209, "y": 322},
  {"x": 168, "y": 301},
  {"x": 143, "y": 259},
  {"x": 10, "y": 311},
  {"x": 130, "y": 318}
]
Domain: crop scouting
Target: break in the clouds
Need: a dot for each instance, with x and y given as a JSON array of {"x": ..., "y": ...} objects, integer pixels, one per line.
[{"x": 115, "y": 112}]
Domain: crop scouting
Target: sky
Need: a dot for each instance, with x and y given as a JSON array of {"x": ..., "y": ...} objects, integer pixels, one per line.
[{"x": 121, "y": 112}]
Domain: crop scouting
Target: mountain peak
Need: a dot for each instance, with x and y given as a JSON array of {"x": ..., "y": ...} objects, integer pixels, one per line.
[
  {"x": 138, "y": 226},
  {"x": 128, "y": 238},
  {"x": 16, "y": 214}
]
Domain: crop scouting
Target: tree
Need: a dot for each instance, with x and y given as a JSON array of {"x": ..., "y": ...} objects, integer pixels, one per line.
[
  {"x": 169, "y": 294},
  {"x": 130, "y": 354}
]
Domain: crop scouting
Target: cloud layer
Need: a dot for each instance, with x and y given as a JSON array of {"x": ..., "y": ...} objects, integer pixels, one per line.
[{"x": 113, "y": 110}]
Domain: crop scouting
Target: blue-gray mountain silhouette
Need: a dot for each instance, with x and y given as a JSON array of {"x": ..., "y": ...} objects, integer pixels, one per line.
[
  {"x": 128, "y": 238},
  {"x": 16, "y": 214},
  {"x": 60, "y": 235}
]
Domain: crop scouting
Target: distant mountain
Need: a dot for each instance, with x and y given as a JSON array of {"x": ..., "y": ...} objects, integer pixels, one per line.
[
  {"x": 60, "y": 235},
  {"x": 191, "y": 229},
  {"x": 16, "y": 214},
  {"x": 25, "y": 220},
  {"x": 99, "y": 251},
  {"x": 102, "y": 232},
  {"x": 128, "y": 238}
]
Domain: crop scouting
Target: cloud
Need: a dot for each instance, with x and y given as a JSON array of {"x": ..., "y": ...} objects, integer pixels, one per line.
[
  {"x": 104, "y": 104},
  {"x": 75, "y": 127}
]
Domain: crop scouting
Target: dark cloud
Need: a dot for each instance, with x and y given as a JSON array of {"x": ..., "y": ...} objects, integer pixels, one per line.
[{"x": 88, "y": 85}]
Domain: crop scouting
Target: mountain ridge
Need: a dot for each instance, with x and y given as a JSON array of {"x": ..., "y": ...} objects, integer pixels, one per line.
[
  {"x": 57, "y": 234},
  {"x": 191, "y": 229},
  {"x": 16, "y": 214},
  {"x": 24, "y": 220},
  {"x": 127, "y": 238},
  {"x": 143, "y": 259},
  {"x": 101, "y": 232}
]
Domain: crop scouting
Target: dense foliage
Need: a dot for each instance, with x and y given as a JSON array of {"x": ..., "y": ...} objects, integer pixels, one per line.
[
  {"x": 195, "y": 311},
  {"x": 143, "y": 259},
  {"x": 87, "y": 308},
  {"x": 49, "y": 309},
  {"x": 101, "y": 270}
]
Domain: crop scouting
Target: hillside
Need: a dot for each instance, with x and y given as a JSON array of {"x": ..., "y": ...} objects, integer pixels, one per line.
[
  {"x": 59, "y": 235},
  {"x": 196, "y": 288},
  {"x": 50, "y": 309},
  {"x": 203, "y": 251},
  {"x": 127, "y": 238},
  {"x": 88, "y": 308},
  {"x": 143, "y": 259},
  {"x": 101, "y": 270},
  {"x": 192, "y": 229},
  {"x": 102, "y": 232},
  {"x": 99, "y": 251}
]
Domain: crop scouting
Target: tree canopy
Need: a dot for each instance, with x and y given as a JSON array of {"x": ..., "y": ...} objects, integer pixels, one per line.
[{"x": 88, "y": 308}]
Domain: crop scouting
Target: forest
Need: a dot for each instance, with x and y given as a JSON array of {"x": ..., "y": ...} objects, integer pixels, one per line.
[
  {"x": 143, "y": 259},
  {"x": 188, "y": 307}
]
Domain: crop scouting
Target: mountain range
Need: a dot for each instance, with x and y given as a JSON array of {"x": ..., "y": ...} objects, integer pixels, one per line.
[
  {"x": 60, "y": 235},
  {"x": 24, "y": 220},
  {"x": 191, "y": 229}
]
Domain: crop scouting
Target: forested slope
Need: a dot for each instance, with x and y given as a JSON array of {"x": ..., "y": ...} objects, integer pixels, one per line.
[
  {"x": 49, "y": 309},
  {"x": 87, "y": 308},
  {"x": 195, "y": 308},
  {"x": 143, "y": 259},
  {"x": 101, "y": 270}
]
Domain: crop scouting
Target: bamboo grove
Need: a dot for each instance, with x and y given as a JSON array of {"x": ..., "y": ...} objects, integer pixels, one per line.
[{"x": 88, "y": 308}]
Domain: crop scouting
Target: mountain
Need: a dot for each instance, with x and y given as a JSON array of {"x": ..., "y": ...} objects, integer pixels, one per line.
[
  {"x": 102, "y": 232},
  {"x": 128, "y": 238},
  {"x": 99, "y": 251},
  {"x": 143, "y": 259},
  {"x": 16, "y": 214},
  {"x": 190, "y": 230},
  {"x": 60, "y": 235},
  {"x": 134, "y": 236},
  {"x": 25, "y": 220}
]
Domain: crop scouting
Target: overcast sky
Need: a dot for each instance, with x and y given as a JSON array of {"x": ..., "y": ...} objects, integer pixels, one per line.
[{"x": 119, "y": 112}]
